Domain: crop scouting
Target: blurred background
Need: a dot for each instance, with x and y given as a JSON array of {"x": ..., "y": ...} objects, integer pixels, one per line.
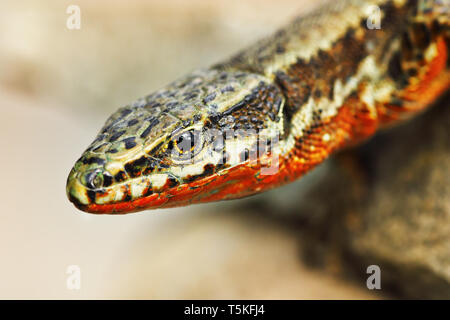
[{"x": 58, "y": 86}]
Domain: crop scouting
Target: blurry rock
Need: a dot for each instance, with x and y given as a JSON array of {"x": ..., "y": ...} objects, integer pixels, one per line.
[{"x": 386, "y": 203}]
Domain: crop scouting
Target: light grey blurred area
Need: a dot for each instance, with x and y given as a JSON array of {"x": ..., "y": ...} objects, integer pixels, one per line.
[
  {"x": 124, "y": 51},
  {"x": 57, "y": 87}
]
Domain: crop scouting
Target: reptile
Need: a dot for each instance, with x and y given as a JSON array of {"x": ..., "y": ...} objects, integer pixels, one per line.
[{"x": 273, "y": 111}]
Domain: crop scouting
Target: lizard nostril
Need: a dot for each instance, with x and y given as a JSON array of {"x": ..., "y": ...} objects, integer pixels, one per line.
[{"x": 94, "y": 179}]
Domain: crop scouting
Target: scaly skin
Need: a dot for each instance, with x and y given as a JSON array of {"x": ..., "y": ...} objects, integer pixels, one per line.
[{"x": 324, "y": 82}]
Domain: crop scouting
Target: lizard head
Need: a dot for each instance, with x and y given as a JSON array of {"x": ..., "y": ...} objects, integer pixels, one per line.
[{"x": 202, "y": 138}]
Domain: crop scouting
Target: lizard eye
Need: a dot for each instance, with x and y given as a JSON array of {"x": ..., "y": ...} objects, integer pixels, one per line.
[{"x": 187, "y": 144}]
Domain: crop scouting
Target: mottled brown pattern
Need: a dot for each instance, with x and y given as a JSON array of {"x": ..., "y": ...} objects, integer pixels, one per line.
[{"x": 316, "y": 77}]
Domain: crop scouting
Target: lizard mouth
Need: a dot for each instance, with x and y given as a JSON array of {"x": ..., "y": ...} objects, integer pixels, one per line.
[{"x": 235, "y": 182}]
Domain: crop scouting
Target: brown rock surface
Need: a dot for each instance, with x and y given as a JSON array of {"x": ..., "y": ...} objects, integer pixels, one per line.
[{"x": 385, "y": 203}]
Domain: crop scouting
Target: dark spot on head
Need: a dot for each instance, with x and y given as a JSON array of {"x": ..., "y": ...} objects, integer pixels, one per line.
[
  {"x": 436, "y": 27},
  {"x": 132, "y": 122},
  {"x": 277, "y": 104},
  {"x": 331, "y": 92},
  {"x": 189, "y": 96},
  {"x": 394, "y": 67},
  {"x": 172, "y": 104},
  {"x": 127, "y": 196},
  {"x": 125, "y": 112},
  {"x": 92, "y": 181},
  {"x": 422, "y": 35},
  {"x": 317, "y": 93},
  {"x": 116, "y": 135},
  {"x": 129, "y": 142},
  {"x": 237, "y": 106},
  {"x": 407, "y": 47},
  {"x": 91, "y": 160},
  {"x": 153, "y": 122},
  {"x": 412, "y": 72},
  {"x": 140, "y": 103},
  {"x": 107, "y": 179},
  {"x": 395, "y": 101},
  {"x": 145, "y": 133},
  {"x": 101, "y": 136},
  {"x": 91, "y": 195},
  {"x": 208, "y": 170},
  {"x": 228, "y": 88},
  {"x": 280, "y": 48},
  {"x": 135, "y": 168},
  {"x": 120, "y": 176},
  {"x": 147, "y": 192},
  {"x": 209, "y": 98},
  {"x": 163, "y": 165}
]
